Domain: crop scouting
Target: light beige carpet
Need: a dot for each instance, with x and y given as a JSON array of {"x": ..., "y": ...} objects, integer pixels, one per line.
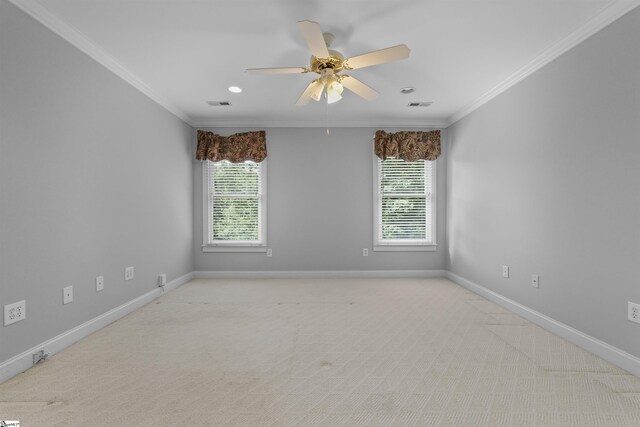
[{"x": 385, "y": 352}]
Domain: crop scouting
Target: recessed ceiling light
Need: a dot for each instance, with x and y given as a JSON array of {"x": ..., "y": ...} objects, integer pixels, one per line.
[
  {"x": 407, "y": 89},
  {"x": 235, "y": 89}
]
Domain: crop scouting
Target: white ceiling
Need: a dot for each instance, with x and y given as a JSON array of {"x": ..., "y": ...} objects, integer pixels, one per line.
[{"x": 185, "y": 52}]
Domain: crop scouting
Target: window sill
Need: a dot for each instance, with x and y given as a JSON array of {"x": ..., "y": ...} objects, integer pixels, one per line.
[
  {"x": 405, "y": 248},
  {"x": 220, "y": 248}
]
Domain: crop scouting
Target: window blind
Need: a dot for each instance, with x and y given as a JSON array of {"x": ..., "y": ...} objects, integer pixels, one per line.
[
  {"x": 235, "y": 202},
  {"x": 404, "y": 202}
]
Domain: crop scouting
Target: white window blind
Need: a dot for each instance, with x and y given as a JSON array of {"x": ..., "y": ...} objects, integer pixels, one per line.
[
  {"x": 235, "y": 210},
  {"x": 404, "y": 202}
]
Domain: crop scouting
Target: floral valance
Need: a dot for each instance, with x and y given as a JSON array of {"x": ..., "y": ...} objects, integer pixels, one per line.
[
  {"x": 236, "y": 148},
  {"x": 409, "y": 146}
]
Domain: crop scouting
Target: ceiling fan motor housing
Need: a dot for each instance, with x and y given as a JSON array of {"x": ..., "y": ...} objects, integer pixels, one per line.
[{"x": 335, "y": 62}]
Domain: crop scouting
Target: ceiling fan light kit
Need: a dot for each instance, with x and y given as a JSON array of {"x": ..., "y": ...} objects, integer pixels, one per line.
[{"x": 329, "y": 63}]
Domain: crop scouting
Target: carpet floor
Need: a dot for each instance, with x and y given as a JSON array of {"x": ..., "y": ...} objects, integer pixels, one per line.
[{"x": 352, "y": 352}]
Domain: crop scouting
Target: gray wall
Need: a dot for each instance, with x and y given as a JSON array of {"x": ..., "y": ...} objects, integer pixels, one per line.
[
  {"x": 545, "y": 178},
  {"x": 94, "y": 177},
  {"x": 310, "y": 175}
]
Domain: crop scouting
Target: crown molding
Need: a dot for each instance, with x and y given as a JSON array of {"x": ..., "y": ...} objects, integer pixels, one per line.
[
  {"x": 77, "y": 39},
  {"x": 72, "y": 35},
  {"x": 592, "y": 26},
  {"x": 319, "y": 124}
]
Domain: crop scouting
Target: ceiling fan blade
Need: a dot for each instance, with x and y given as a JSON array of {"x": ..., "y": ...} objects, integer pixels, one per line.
[
  {"x": 313, "y": 91},
  {"x": 359, "y": 88},
  {"x": 283, "y": 70},
  {"x": 315, "y": 40},
  {"x": 376, "y": 57}
]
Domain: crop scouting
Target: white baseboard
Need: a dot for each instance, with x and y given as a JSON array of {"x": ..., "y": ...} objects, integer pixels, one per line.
[
  {"x": 24, "y": 360},
  {"x": 614, "y": 355},
  {"x": 303, "y": 274}
]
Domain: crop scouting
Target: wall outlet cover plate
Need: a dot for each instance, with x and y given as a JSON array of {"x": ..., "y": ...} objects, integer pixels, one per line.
[
  {"x": 535, "y": 281},
  {"x": 129, "y": 273},
  {"x": 15, "y": 312},
  {"x": 67, "y": 295},
  {"x": 99, "y": 283},
  {"x": 505, "y": 271},
  {"x": 634, "y": 312}
]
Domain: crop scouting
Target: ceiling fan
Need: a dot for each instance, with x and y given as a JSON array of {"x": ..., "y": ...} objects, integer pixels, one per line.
[{"x": 329, "y": 63}]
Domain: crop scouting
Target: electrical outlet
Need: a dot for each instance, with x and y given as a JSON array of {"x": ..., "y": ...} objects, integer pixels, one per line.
[
  {"x": 67, "y": 295},
  {"x": 634, "y": 312},
  {"x": 15, "y": 312},
  {"x": 129, "y": 273},
  {"x": 269, "y": 252},
  {"x": 99, "y": 283},
  {"x": 505, "y": 271},
  {"x": 535, "y": 281},
  {"x": 365, "y": 251},
  {"x": 162, "y": 279}
]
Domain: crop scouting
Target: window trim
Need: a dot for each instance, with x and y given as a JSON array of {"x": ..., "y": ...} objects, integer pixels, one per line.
[
  {"x": 234, "y": 245},
  {"x": 405, "y": 245}
]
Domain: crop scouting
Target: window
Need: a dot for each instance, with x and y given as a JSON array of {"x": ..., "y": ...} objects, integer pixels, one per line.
[
  {"x": 404, "y": 205},
  {"x": 234, "y": 206}
]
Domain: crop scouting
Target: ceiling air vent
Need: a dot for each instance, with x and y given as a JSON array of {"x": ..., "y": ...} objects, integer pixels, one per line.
[
  {"x": 219, "y": 103},
  {"x": 419, "y": 104}
]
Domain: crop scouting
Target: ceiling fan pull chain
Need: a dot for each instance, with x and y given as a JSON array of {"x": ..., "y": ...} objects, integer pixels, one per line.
[{"x": 326, "y": 109}]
